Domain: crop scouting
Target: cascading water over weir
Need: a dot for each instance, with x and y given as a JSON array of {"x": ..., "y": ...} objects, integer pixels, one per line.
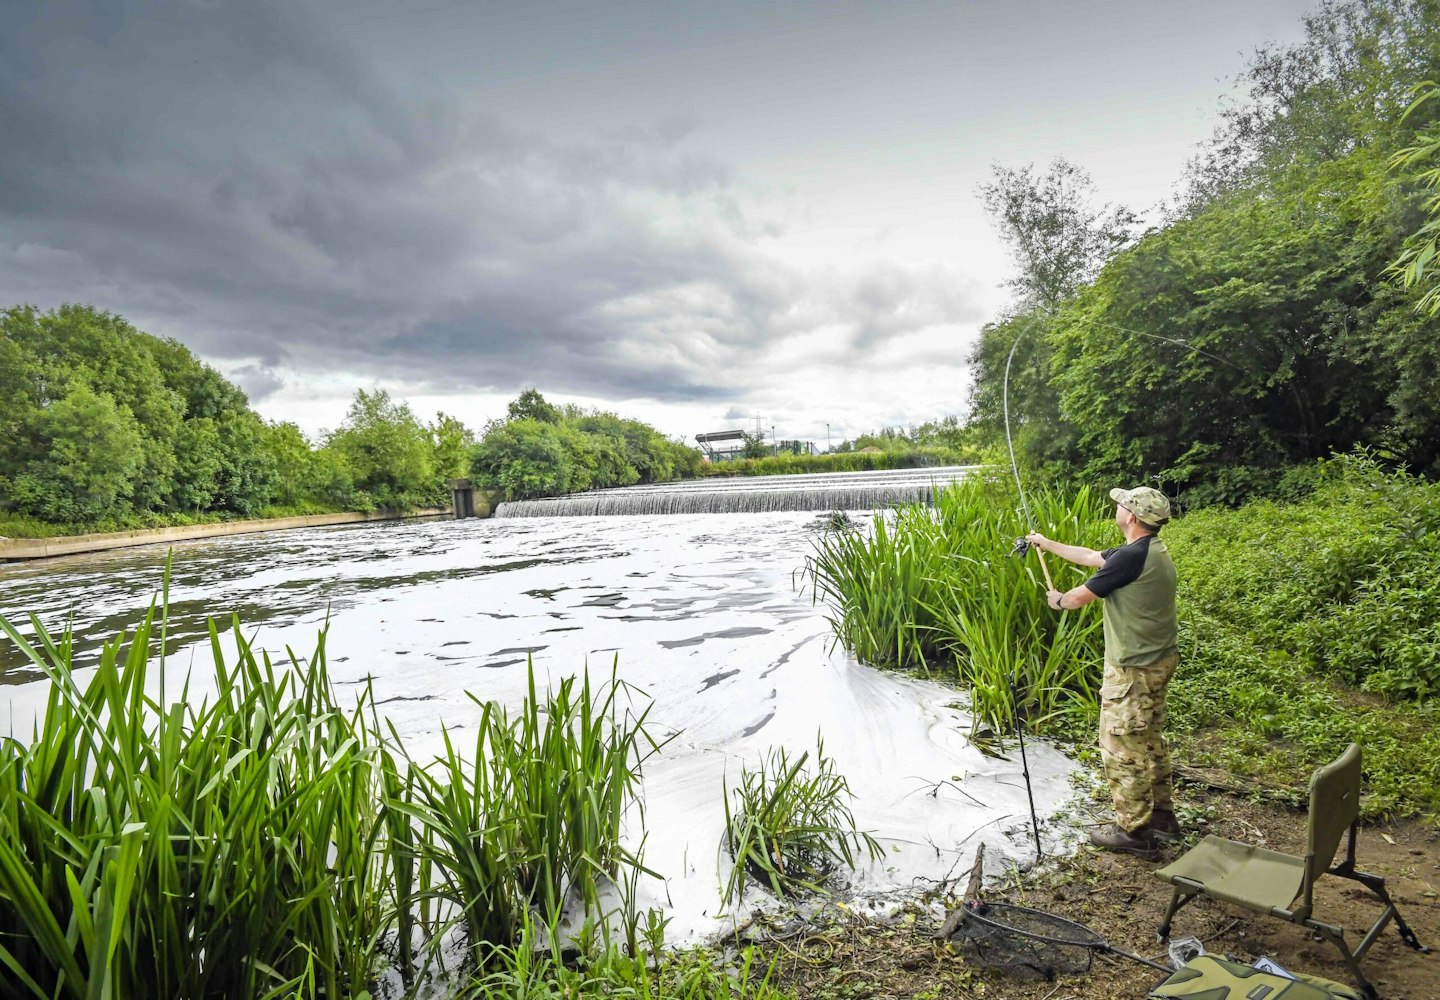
[{"x": 750, "y": 494}]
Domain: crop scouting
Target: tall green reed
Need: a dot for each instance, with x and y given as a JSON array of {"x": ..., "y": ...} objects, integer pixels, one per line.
[
  {"x": 263, "y": 841},
  {"x": 790, "y": 826},
  {"x": 935, "y": 586},
  {"x": 211, "y": 851},
  {"x": 532, "y": 815}
]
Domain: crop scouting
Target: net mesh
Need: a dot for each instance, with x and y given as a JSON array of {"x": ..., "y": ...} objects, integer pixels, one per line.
[{"x": 1024, "y": 942}]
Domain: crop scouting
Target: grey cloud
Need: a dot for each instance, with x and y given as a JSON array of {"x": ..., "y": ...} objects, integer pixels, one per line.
[
  {"x": 231, "y": 175},
  {"x": 257, "y": 381},
  {"x": 736, "y": 413}
]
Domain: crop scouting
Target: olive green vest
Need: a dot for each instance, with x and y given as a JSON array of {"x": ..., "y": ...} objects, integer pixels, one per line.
[{"x": 1140, "y": 624}]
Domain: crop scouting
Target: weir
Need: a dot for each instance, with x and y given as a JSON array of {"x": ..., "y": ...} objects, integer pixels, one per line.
[{"x": 750, "y": 494}]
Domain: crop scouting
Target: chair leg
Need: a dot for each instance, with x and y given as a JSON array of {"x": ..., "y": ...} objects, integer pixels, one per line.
[
  {"x": 1336, "y": 936},
  {"x": 1178, "y": 899},
  {"x": 1376, "y": 884}
]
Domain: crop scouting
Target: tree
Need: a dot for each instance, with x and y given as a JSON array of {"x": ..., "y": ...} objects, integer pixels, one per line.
[
  {"x": 451, "y": 442},
  {"x": 387, "y": 451},
  {"x": 1058, "y": 239},
  {"x": 530, "y": 405},
  {"x": 524, "y": 458},
  {"x": 1417, "y": 267},
  {"x": 93, "y": 449}
]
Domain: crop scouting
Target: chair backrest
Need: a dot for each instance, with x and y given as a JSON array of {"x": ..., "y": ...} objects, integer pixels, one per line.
[{"x": 1334, "y": 808}]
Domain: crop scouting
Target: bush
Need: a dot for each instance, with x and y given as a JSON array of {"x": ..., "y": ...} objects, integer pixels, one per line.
[
  {"x": 1343, "y": 580},
  {"x": 789, "y": 463}
]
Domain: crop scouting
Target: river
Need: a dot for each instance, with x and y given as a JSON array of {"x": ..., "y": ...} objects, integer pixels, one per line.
[{"x": 703, "y": 613}]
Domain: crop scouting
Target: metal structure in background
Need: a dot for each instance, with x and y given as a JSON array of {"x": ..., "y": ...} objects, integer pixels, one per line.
[{"x": 731, "y": 443}]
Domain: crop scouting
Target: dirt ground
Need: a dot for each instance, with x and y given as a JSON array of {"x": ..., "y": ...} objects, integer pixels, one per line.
[{"x": 1116, "y": 896}]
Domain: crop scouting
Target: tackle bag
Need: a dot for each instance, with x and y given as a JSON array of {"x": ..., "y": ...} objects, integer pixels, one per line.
[{"x": 1206, "y": 977}]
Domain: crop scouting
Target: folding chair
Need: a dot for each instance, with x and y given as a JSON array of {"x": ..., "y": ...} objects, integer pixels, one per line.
[{"x": 1281, "y": 885}]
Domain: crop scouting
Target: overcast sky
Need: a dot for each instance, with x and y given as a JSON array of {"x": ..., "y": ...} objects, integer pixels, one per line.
[{"x": 690, "y": 212}]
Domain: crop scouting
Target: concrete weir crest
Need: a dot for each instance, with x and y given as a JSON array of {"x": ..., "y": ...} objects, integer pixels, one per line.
[{"x": 750, "y": 494}]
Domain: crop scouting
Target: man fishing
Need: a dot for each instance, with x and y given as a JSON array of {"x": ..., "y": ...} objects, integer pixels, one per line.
[{"x": 1137, "y": 583}]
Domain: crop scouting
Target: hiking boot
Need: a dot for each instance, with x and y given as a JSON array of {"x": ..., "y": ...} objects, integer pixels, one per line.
[
  {"x": 1141, "y": 843},
  {"x": 1165, "y": 826}
]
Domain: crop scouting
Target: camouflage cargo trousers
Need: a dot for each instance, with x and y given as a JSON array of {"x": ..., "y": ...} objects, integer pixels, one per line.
[{"x": 1132, "y": 740}]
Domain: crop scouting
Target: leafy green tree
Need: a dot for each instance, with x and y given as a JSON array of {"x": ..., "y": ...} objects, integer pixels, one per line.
[
  {"x": 198, "y": 454},
  {"x": 754, "y": 445},
  {"x": 1058, "y": 238},
  {"x": 248, "y": 473},
  {"x": 530, "y": 405},
  {"x": 524, "y": 458},
  {"x": 452, "y": 443},
  {"x": 1417, "y": 267},
  {"x": 388, "y": 452},
  {"x": 294, "y": 462},
  {"x": 93, "y": 450}
]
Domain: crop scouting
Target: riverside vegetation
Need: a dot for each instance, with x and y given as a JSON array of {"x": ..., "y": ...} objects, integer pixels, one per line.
[
  {"x": 106, "y": 428},
  {"x": 264, "y": 840},
  {"x": 1305, "y": 623}
]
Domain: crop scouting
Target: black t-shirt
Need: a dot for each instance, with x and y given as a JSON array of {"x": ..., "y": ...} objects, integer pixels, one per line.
[
  {"x": 1123, "y": 564},
  {"x": 1137, "y": 582}
]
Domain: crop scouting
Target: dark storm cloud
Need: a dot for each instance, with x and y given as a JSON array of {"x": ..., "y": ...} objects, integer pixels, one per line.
[{"x": 232, "y": 175}]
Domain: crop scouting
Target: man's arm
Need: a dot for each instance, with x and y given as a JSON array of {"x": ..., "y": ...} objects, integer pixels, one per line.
[
  {"x": 1077, "y": 554},
  {"x": 1069, "y": 600}
]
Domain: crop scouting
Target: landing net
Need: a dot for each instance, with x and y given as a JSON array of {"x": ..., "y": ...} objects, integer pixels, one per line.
[{"x": 1024, "y": 942}]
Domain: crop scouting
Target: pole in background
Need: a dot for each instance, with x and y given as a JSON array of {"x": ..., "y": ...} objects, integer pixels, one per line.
[{"x": 827, "y": 437}]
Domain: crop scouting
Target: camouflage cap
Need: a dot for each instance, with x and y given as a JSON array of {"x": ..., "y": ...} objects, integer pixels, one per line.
[{"x": 1148, "y": 504}]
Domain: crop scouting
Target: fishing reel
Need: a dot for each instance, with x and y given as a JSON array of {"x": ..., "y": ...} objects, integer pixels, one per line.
[{"x": 1022, "y": 548}]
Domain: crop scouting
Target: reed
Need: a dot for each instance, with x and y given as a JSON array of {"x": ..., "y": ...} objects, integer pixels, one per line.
[
  {"x": 216, "y": 851},
  {"x": 935, "y": 586},
  {"x": 791, "y": 827},
  {"x": 531, "y": 815},
  {"x": 265, "y": 842},
  {"x": 531, "y": 971}
]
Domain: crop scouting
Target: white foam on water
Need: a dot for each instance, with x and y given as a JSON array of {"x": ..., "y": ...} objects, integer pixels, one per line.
[{"x": 703, "y": 613}]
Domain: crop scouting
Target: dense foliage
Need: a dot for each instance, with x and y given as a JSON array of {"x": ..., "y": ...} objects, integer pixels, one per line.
[
  {"x": 935, "y": 587},
  {"x": 1304, "y": 624},
  {"x": 103, "y": 426},
  {"x": 541, "y": 450},
  {"x": 1260, "y": 326}
]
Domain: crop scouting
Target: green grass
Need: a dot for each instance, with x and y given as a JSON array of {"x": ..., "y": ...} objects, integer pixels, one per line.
[
  {"x": 22, "y": 526},
  {"x": 531, "y": 971},
  {"x": 531, "y": 814},
  {"x": 790, "y": 826},
  {"x": 935, "y": 587},
  {"x": 135, "y": 839}
]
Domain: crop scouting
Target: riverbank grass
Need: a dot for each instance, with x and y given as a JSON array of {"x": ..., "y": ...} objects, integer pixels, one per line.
[{"x": 788, "y": 825}]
